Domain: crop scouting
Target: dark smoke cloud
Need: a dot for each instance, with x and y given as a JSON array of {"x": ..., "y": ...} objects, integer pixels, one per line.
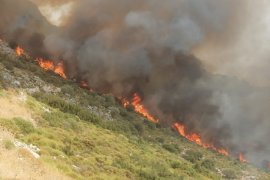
[
  {"x": 145, "y": 46},
  {"x": 22, "y": 23}
]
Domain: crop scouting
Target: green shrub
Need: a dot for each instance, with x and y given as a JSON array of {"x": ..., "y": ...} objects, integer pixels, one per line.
[
  {"x": 140, "y": 128},
  {"x": 147, "y": 175},
  {"x": 84, "y": 114},
  {"x": 198, "y": 168},
  {"x": 229, "y": 174},
  {"x": 9, "y": 124},
  {"x": 149, "y": 124},
  {"x": 160, "y": 139},
  {"x": 8, "y": 144},
  {"x": 24, "y": 126},
  {"x": 208, "y": 164},
  {"x": 171, "y": 147},
  {"x": 65, "y": 107},
  {"x": 109, "y": 101},
  {"x": 114, "y": 112},
  {"x": 59, "y": 119},
  {"x": 175, "y": 164},
  {"x": 193, "y": 156},
  {"x": 68, "y": 150},
  {"x": 9, "y": 64},
  {"x": 162, "y": 170},
  {"x": 67, "y": 89}
]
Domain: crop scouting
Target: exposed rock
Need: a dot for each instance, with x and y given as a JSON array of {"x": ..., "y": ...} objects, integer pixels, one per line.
[{"x": 34, "y": 150}]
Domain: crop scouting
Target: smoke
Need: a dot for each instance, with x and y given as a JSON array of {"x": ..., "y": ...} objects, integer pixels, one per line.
[
  {"x": 152, "y": 48},
  {"x": 51, "y": 2},
  {"x": 22, "y": 23},
  {"x": 246, "y": 50}
]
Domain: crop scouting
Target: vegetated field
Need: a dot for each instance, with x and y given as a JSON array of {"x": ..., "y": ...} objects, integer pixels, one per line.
[{"x": 88, "y": 135}]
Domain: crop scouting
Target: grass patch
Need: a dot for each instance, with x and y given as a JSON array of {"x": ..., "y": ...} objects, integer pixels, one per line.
[{"x": 8, "y": 144}]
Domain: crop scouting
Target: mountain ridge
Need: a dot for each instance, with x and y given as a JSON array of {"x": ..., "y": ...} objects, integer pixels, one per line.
[{"x": 98, "y": 138}]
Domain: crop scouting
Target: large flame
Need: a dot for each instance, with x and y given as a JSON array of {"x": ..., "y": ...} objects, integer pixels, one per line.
[
  {"x": 139, "y": 107},
  {"x": 136, "y": 101},
  {"x": 46, "y": 64},
  {"x": 196, "y": 138},
  {"x": 19, "y": 51},
  {"x": 50, "y": 65}
]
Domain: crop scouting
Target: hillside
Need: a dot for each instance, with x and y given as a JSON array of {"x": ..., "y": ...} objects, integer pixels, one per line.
[{"x": 50, "y": 127}]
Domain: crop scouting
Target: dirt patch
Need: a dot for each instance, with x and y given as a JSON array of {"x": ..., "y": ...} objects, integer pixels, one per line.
[
  {"x": 18, "y": 163},
  {"x": 12, "y": 106}
]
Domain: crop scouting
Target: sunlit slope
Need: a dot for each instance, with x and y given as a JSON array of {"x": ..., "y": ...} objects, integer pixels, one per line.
[{"x": 85, "y": 135}]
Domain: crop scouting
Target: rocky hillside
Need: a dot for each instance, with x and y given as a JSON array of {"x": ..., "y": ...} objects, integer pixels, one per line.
[{"x": 53, "y": 129}]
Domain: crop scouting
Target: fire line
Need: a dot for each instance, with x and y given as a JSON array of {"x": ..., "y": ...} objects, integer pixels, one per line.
[{"x": 136, "y": 101}]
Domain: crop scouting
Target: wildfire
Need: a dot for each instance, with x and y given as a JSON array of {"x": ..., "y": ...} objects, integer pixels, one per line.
[
  {"x": 196, "y": 138},
  {"x": 138, "y": 107},
  {"x": 136, "y": 101},
  {"x": 242, "y": 158},
  {"x": 46, "y": 64},
  {"x": 19, "y": 51},
  {"x": 50, "y": 65}
]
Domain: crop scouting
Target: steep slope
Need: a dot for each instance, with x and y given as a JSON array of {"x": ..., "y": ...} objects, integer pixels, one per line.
[{"x": 84, "y": 134}]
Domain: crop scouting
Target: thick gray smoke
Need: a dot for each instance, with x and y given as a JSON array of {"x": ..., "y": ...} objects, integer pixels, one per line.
[
  {"x": 145, "y": 46},
  {"x": 22, "y": 23}
]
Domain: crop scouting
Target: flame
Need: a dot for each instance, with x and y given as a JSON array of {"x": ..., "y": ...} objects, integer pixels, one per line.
[
  {"x": 46, "y": 64},
  {"x": 125, "y": 102},
  {"x": 242, "y": 158},
  {"x": 50, "y": 65},
  {"x": 136, "y": 101},
  {"x": 196, "y": 138},
  {"x": 139, "y": 107},
  {"x": 19, "y": 51},
  {"x": 59, "y": 69}
]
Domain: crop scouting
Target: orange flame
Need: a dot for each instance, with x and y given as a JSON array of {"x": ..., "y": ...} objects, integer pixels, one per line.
[
  {"x": 196, "y": 138},
  {"x": 46, "y": 64},
  {"x": 136, "y": 102},
  {"x": 19, "y": 51},
  {"x": 125, "y": 102},
  {"x": 138, "y": 107},
  {"x": 242, "y": 158},
  {"x": 50, "y": 65},
  {"x": 59, "y": 69}
]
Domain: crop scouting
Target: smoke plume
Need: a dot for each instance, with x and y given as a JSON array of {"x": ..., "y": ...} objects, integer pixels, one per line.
[{"x": 152, "y": 48}]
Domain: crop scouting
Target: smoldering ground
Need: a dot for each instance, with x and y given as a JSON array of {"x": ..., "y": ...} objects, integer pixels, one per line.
[{"x": 145, "y": 46}]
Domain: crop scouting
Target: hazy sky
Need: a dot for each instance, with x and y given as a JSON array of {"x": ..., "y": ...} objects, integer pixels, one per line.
[
  {"x": 247, "y": 57},
  {"x": 148, "y": 47},
  {"x": 55, "y": 13}
]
